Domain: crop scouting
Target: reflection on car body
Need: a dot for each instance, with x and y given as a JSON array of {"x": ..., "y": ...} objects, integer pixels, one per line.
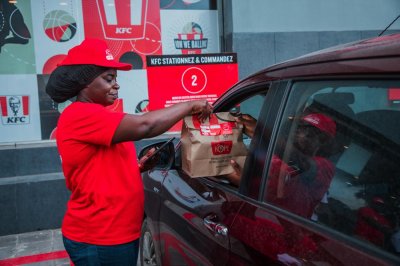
[{"x": 208, "y": 221}]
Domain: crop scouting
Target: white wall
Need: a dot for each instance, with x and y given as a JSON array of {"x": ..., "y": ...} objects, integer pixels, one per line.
[{"x": 313, "y": 15}]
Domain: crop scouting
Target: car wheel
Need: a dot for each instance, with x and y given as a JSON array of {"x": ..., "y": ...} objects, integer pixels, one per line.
[{"x": 148, "y": 254}]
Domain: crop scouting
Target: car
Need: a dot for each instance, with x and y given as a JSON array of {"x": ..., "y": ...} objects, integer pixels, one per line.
[{"x": 210, "y": 221}]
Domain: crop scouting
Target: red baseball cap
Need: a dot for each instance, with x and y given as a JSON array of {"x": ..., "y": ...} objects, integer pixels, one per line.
[
  {"x": 93, "y": 52},
  {"x": 322, "y": 122}
]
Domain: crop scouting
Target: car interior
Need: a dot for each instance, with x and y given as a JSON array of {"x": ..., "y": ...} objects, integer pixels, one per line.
[{"x": 363, "y": 197}]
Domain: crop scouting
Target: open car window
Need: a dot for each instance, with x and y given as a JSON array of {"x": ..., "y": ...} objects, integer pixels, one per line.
[{"x": 251, "y": 106}]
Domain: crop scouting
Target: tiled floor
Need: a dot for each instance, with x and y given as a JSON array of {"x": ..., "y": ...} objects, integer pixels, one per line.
[{"x": 40, "y": 248}]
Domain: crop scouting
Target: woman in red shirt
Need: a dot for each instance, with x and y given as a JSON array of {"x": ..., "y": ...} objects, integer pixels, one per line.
[{"x": 105, "y": 211}]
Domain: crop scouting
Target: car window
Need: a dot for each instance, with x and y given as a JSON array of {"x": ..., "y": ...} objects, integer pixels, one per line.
[
  {"x": 335, "y": 159},
  {"x": 251, "y": 106}
]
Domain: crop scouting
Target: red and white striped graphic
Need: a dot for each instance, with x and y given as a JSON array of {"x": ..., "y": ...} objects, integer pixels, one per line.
[
  {"x": 123, "y": 19},
  {"x": 189, "y": 37}
]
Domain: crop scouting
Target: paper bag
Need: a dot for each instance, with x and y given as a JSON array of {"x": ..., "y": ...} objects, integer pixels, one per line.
[{"x": 208, "y": 147}]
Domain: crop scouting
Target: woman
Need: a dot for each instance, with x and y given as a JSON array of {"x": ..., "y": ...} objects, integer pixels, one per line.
[{"x": 104, "y": 213}]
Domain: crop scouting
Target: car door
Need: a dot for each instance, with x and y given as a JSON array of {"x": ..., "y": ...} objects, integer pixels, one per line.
[
  {"x": 355, "y": 219},
  {"x": 196, "y": 213}
]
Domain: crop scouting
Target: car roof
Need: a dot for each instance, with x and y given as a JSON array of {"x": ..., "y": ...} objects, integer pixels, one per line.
[
  {"x": 365, "y": 57},
  {"x": 383, "y": 46}
]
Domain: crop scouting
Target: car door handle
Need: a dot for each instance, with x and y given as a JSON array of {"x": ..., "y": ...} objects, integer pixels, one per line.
[{"x": 215, "y": 227}]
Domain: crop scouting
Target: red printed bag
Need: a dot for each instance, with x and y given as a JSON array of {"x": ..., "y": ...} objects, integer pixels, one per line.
[{"x": 208, "y": 147}]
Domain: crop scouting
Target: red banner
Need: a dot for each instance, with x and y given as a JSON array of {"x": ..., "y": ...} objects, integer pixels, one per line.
[{"x": 179, "y": 78}]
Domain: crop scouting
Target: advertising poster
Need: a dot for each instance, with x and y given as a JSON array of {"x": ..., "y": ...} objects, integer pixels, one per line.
[
  {"x": 178, "y": 78},
  {"x": 131, "y": 27},
  {"x": 190, "y": 32},
  {"x": 133, "y": 90},
  {"x": 57, "y": 28},
  {"x": 35, "y": 35},
  {"x": 188, "y": 4},
  {"x": 16, "y": 39},
  {"x": 19, "y": 109}
]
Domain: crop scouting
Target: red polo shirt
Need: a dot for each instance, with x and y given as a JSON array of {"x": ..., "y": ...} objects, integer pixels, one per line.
[
  {"x": 287, "y": 189},
  {"x": 107, "y": 201}
]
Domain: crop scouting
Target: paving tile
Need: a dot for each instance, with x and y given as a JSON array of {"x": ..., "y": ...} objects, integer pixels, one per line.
[
  {"x": 38, "y": 236},
  {"x": 8, "y": 252},
  {"x": 7, "y": 241},
  {"x": 33, "y": 248},
  {"x": 43, "y": 263},
  {"x": 63, "y": 262},
  {"x": 57, "y": 245}
]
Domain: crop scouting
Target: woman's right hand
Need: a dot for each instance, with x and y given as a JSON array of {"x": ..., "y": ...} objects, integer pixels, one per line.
[{"x": 202, "y": 108}]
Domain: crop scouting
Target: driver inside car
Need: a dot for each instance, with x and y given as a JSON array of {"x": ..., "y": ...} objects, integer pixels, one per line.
[{"x": 300, "y": 175}]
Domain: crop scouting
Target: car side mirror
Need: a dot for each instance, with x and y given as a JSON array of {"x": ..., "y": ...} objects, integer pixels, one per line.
[{"x": 163, "y": 157}]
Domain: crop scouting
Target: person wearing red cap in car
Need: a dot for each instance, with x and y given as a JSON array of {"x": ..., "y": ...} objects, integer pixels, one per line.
[
  {"x": 104, "y": 214},
  {"x": 307, "y": 175},
  {"x": 299, "y": 183},
  {"x": 296, "y": 184}
]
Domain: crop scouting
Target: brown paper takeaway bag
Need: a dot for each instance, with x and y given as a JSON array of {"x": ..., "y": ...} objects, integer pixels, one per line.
[{"x": 208, "y": 147}]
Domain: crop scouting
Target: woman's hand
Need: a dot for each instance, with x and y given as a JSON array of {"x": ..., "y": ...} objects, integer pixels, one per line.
[{"x": 202, "y": 108}]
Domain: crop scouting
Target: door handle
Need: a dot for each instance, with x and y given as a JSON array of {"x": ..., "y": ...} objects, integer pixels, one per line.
[{"x": 215, "y": 227}]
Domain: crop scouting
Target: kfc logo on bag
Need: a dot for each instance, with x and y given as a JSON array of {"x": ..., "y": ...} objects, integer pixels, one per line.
[
  {"x": 14, "y": 110},
  {"x": 221, "y": 147},
  {"x": 123, "y": 19},
  {"x": 227, "y": 128}
]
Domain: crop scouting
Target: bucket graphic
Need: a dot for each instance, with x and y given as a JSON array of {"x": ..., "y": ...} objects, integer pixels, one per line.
[
  {"x": 123, "y": 19},
  {"x": 191, "y": 41}
]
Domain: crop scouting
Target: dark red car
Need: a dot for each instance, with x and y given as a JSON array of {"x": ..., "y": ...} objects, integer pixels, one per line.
[{"x": 351, "y": 216}]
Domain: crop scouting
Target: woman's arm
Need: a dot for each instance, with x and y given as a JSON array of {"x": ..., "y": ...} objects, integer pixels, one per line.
[{"x": 154, "y": 123}]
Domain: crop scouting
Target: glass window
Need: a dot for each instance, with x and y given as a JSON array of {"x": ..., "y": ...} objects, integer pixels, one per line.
[
  {"x": 250, "y": 106},
  {"x": 336, "y": 157}
]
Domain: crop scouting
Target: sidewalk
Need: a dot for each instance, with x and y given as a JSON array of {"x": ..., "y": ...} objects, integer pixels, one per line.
[{"x": 39, "y": 248}]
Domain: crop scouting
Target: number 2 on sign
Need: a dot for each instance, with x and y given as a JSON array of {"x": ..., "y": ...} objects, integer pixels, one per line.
[{"x": 194, "y": 79}]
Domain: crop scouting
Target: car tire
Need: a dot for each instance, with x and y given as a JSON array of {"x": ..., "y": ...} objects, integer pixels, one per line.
[{"x": 148, "y": 254}]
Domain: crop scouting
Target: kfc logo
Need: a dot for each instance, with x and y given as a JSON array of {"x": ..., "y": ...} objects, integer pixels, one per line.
[
  {"x": 227, "y": 128},
  {"x": 14, "y": 110},
  {"x": 109, "y": 56},
  {"x": 221, "y": 147},
  {"x": 123, "y": 30}
]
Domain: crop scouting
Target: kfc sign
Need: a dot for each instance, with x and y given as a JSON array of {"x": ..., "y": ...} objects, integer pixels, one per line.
[
  {"x": 14, "y": 110},
  {"x": 221, "y": 147}
]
